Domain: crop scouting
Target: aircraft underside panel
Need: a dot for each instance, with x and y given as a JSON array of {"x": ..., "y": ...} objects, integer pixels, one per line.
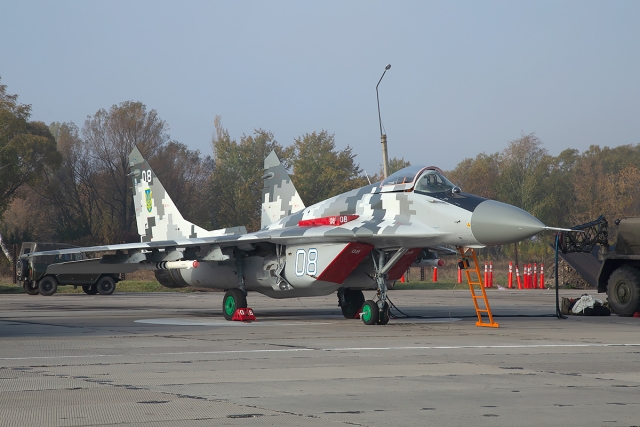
[
  {"x": 322, "y": 262},
  {"x": 298, "y": 271}
]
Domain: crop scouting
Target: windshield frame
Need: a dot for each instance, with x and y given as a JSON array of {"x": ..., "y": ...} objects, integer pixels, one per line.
[
  {"x": 391, "y": 184},
  {"x": 447, "y": 188}
]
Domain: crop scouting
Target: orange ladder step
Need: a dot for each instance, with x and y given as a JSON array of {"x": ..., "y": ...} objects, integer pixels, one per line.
[{"x": 467, "y": 256}]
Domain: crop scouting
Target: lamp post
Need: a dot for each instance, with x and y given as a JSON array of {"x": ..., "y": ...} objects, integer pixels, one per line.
[{"x": 383, "y": 137}]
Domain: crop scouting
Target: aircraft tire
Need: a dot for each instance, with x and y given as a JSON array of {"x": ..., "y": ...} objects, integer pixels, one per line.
[
  {"x": 370, "y": 313},
  {"x": 233, "y": 300},
  {"x": 31, "y": 288},
  {"x": 623, "y": 291},
  {"x": 353, "y": 303},
  {"x": 385, "y": 315},
  {"x": 106, "y": 285},
  {"x": 90, "y": 289},
  {"x": 48, "y": 286}
]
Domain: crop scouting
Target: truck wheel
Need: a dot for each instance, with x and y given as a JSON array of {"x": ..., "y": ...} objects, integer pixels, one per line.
[
  {"x": 233, "y": 300},
  {"x": 31, "y": 288},
  {"x": 106, "y": 285},
  {"x": 48, "y": 286},
  {"x": 90, "y": 289},
  {"x": 623, "y": 291}
]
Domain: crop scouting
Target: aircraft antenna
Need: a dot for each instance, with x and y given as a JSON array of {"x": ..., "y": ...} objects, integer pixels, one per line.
[
  {"x": 383, "y": 136},
  {"x": 367, "y": 175}
]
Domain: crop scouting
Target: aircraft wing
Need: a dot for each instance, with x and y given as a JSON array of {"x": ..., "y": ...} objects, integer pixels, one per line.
[{"x": 376, "y": 234}]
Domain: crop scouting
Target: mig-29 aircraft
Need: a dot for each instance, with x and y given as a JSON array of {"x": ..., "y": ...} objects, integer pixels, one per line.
[{"x": 356, "y": 241}]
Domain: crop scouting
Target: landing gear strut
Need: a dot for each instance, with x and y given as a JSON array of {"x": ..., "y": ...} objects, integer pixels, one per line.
[
  {"x": 235, "y": 298},
  {"x": 378, "y": 312}
]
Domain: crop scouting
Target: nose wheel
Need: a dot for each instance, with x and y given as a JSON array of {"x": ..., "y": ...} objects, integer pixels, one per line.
[{"x": 373, "y": 315}]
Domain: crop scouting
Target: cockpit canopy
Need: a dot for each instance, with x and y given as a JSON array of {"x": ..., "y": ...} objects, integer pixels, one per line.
[{"x": 425, "y": 179}]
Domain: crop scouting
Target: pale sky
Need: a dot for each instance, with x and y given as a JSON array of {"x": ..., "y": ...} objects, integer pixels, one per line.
[{"x": 466, "y": 76}]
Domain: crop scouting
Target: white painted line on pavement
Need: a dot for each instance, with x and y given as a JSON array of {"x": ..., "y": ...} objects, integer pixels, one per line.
[{"x": 292, "y": 350}]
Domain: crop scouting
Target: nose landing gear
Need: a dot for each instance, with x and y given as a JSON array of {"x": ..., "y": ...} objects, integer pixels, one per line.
[{"x": 378, "y": 312}]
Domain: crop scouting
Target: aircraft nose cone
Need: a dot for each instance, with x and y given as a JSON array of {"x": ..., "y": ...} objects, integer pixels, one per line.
[{"x": 495, "y": 223}]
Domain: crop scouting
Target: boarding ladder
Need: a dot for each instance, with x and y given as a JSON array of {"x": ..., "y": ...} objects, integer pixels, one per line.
[{"x": 468, "y": 255}]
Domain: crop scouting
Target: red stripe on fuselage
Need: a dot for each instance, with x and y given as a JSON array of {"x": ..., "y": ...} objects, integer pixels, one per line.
[
  {"x": 403, "y": 264},
  {"x": 344, "y": 264}
]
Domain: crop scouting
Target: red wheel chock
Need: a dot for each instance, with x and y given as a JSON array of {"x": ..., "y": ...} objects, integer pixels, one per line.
[{"x": 244, "y": 315}]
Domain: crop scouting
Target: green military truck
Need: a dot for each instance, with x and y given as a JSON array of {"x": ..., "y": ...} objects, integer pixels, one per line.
[
  {"x": 620, "y": 270},
  {"x": 42, "y": 274}
]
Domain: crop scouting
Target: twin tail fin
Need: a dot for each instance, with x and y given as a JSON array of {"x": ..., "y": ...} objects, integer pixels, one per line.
[
  {"x": 157, "y": 216},
  {"x": 279, "y": 196}
]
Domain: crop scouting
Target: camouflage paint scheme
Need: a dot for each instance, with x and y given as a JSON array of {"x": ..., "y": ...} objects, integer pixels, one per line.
[
  {"x": 157, "y": 216},
  {"x": 394, "y": 221}
]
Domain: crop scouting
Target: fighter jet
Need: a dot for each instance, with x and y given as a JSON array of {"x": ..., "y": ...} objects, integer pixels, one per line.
[{"x": 360, "y": 240}]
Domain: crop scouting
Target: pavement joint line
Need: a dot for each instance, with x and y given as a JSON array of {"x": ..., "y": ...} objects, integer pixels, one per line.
[{"x": 284, "y": 350}]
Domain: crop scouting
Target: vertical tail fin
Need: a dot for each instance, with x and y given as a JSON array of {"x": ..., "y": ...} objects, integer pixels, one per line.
[
  {"x": 157, "y": 216},
  {"x": 279, "y": 196}
]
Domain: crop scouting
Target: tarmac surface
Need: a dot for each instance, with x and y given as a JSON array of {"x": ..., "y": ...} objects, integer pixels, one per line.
[{"x": 168, "y": 359}]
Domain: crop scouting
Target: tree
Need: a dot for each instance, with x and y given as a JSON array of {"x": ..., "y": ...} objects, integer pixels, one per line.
[
  {"x": 27, "y": 149},
  {"x": 394, "y": 165},
  {"x": 521, "y": 174},
  {"x": 74, "y": 190},
  {"x": 236, "y": 181},
  {"x": 110, "y": 136},
  {"x": 478, "y": 176},
  {"x": 321, "y": 171},
  {"x": 185, "y": 174}
]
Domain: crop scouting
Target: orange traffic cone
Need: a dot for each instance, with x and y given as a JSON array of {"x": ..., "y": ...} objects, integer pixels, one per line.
[{"x": 510, "y": 280}]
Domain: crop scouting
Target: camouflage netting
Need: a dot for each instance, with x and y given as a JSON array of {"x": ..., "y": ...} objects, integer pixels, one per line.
[{"x": 568, "y": 277}]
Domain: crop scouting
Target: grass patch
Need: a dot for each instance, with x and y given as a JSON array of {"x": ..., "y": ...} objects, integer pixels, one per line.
[
  {"x": 146, "y": 286},
  {"x": 441, "y": 284},
  {"x": 11, "y": 289}
]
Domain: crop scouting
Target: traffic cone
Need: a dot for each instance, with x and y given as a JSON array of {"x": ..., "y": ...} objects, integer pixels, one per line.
[
  {"x": 535, "y": 275},
  {"x": 541, "y": 276},
  {"x": 459, "y": 274},
  {"x": 486, "y": 275},
  {"x": 490, "y": 274},
  {"x": 518, "y": 277},
  {"x": 435, "y": 274},
  {"x": 510, "y": 280}
]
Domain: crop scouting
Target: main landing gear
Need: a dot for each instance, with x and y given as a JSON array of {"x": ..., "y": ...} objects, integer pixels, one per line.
[
  {"x": 237, "y": 297},
  {"x": 233, "y": 300},
  {"x": 350, "y": 301}
]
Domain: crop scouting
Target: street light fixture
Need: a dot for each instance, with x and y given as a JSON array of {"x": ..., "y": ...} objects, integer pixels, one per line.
[{"x": 383, "y": 136}]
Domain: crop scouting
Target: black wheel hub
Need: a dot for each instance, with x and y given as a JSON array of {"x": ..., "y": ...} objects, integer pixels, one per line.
[{"x": 622, "y": 292}]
